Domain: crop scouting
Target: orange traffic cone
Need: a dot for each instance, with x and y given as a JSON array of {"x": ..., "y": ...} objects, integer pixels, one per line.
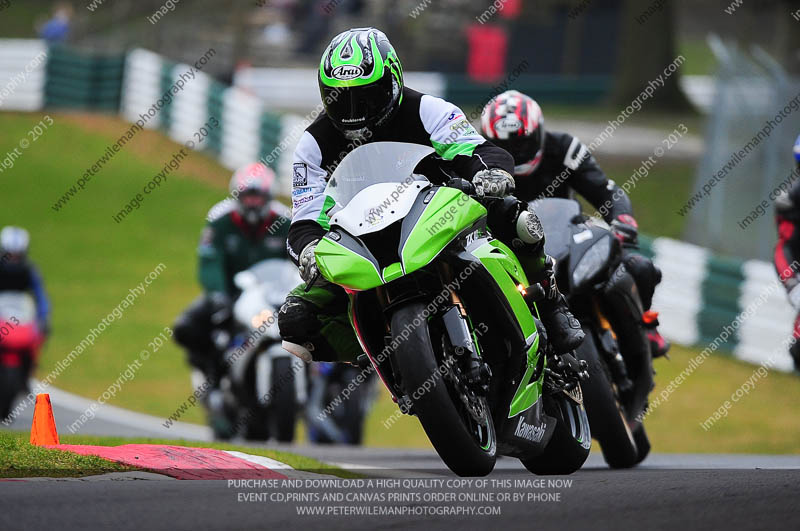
[{"x": 43, "y": 429}]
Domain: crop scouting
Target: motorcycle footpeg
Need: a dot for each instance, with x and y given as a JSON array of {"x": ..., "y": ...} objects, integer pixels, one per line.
[
  {"x": 568, "y": 362},
  {"x": 553, "y": 381},
  {"x": 583, "y": 375}
]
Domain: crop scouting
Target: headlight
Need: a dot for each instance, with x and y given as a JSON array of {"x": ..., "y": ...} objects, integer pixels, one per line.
[
  {"x": 266, "y": 317},
  {"x": 592, "y": 262}
]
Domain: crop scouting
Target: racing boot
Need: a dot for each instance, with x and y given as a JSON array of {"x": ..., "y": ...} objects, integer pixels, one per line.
[
  {"x": 563, "y": 328},
  {"x": 658, "y": 345}
]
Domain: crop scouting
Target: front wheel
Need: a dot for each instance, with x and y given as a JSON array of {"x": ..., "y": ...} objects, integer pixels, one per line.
[
  {"x": 277, "y": 419},
  {"x": 355, "y": 409},
  {"x": 459, "y": 426},
  {"x": 284, "y": 403},
  {"x": 571, "y": 442},
  {"x": 642, "y": 443}
]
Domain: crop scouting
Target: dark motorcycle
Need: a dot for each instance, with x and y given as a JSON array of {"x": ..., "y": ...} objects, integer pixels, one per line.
[{"x": 604, "y": 298}]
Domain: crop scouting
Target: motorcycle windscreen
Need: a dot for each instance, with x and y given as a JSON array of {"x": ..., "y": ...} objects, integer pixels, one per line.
[
  {"x": 375, "y": 185},
  {"x": 556, "y": 216},
  {"x": 264, "y": 287},
  {"x": 275, "y": 276}
]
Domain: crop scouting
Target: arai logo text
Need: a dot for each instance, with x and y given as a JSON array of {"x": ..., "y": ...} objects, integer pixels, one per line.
[
  {"x": 346, "y": 72},
  {"x": 509, "y": 124}
]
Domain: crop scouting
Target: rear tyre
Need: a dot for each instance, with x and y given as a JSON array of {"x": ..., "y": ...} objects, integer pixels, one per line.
[
  {"x": 11, "y": 382},
  {"x": 606, "y": 414},
  {"x": 468, "y": 447},
  {"x": 571, "y": 442}
]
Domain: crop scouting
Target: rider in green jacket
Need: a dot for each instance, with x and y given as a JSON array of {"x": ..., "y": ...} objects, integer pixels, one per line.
[{"x": 242, "y": 230}]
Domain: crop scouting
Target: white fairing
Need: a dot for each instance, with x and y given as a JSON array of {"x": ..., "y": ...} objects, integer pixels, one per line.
[{"x": 375, "y": 207}]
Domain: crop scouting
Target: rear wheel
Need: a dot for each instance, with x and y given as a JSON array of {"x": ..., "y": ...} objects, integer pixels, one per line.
[
  {"x": 459, "y": 426},
  {"x": 571, "y": 442},
  {"x": 606, "y": 414}
]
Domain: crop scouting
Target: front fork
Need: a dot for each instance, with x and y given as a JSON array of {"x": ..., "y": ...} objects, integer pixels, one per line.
[{"x": 465, "y": 347}]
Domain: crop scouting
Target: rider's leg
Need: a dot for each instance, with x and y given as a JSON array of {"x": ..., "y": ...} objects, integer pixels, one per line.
[
  {"x": 193, "y": 331},
  {"x": 647, "y": 276},
  {"x": 315, "y": 325},
  {"x": 515, "y": 225}
]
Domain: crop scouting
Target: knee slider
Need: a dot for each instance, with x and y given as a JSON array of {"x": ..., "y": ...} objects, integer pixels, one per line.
[
  {"x": 297, "y": 320},
  {"x": 301, "y": 331}
]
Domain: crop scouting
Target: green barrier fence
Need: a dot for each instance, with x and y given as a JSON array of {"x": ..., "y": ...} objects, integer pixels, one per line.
[{"x": 83, "y": 80}]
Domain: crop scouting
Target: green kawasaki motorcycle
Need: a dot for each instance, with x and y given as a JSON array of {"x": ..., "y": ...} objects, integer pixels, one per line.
[{"x": 443, "y": 313}]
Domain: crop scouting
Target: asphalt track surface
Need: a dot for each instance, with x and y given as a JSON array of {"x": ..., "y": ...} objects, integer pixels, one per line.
[{"x": 667, "y": 491}]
